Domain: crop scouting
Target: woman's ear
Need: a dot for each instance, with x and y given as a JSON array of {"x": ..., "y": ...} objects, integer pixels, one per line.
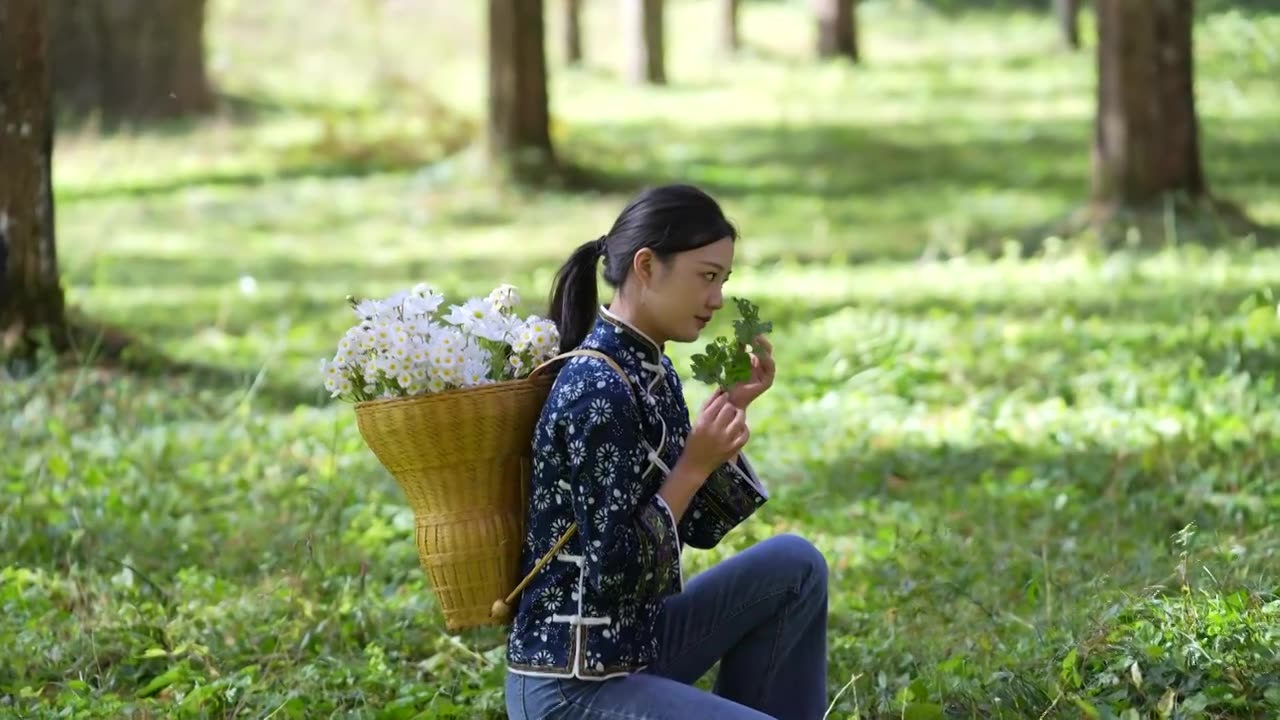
[{"x": 642, "y": 266}]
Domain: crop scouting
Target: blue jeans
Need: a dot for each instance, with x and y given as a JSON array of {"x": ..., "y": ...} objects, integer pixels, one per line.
[{"x": 762, "y": 614}]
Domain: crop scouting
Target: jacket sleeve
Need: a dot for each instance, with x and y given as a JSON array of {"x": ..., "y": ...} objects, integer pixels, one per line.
[
  {"x": 732, "y": 493},
  {"x": 628, "y": 536}
]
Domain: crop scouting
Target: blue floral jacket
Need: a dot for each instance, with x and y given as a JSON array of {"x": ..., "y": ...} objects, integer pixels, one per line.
[{"x": 602, "y": 448}]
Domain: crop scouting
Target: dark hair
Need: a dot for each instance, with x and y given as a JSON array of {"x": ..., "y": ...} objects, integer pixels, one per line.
[{"x": 668, "y": 219}]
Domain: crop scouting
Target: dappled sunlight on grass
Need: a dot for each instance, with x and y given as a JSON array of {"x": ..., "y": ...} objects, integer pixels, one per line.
[{"x": 1009, "y": 469}]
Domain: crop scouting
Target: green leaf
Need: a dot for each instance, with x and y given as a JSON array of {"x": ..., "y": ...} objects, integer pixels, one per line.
[
  {"x": 59, "y": 432},
  {"x": 1195, "y": 704},
  {"x": 1165, "y": 707},
  {"x": 749, "y": 327},
  {"x": 922, "y": 711},
  {"x": 94, "y": 477},
  {"x": 706, "y": 368},
  {"x": 1135, "y": 674},
  {"x": 737, "y": 369},
  {"x": 1087, "y": 708},
  {"x": 1272, "y": 695},
  {"x": 199, "y": 695},
  {"x": 162, "y": 681},
  {"x": 1070, "y": 669},
  {"x": 58, "y": 466}
]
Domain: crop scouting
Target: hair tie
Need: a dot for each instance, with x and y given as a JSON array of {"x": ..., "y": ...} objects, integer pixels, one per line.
[{"x": 601, "y": 250}]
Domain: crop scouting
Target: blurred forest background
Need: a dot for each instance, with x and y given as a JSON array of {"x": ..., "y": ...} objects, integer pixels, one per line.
[{"x": 1018, "y": 255}]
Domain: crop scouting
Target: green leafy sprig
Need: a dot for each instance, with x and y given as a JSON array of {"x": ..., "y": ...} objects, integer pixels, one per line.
[{"x": 727, "y": 362}]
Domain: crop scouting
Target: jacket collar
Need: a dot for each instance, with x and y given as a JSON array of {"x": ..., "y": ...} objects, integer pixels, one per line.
[{"x": 629, "y": 337}]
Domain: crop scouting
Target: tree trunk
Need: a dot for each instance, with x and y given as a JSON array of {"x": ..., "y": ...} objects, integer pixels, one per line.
[
  {"x": 573, "y": 31},
  {"x": 31, "y": 297},
  {"x": 519, "y": 137},
  {"x": 1145, "y": 132},
  {"x": 837, "y": 28},
  {"x": 129, "y": 59},
  {"x": 1068, "y": 14},
  {"x": 729, "y": 41},
  {"x": 642, "y": 26}
]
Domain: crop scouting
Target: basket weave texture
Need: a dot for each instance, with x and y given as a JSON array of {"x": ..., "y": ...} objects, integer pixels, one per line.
[{"x": 464, "y": 460}]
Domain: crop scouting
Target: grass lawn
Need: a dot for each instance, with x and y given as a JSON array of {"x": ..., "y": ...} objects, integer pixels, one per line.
[{"x": 1054, "y": 495}]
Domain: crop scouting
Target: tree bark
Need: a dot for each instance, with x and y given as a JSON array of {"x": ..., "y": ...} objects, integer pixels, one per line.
[
  {"x": 1146, "y": 142},
  {"x": 837, "y": 29},
  {"x": 729, "y": 40},
  {"x": 129, "y": 59},
  {"x": 519, "y": 135},
  {"x": 31, "y": 297},
  {"x": 642, "y": 26},
  {"x": 573, "y": 31},
  {"x": 1068, "y": 15}
]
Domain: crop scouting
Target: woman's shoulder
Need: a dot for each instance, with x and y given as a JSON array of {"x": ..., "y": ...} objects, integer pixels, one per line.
[
  {"x": 588, "y": 386},
  {"x": 588, "y": 376}
]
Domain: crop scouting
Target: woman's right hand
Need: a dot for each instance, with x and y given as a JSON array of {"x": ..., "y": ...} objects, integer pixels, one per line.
[{"x": 718, "y": 435}]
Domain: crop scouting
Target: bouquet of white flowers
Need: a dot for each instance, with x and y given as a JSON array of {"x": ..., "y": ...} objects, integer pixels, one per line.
[{"x": 401, "y": 348}]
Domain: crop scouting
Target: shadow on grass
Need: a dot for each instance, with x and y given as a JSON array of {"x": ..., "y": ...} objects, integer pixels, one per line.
[
  {"x": 1155, "y": 304},
  {"x": 229, "y": 107},
  {"x": 832, "y": 161},
  {"x": 303, "y": 165},
  {"x": 1134, "y": 482},
  {"x": 860, "y": 174},
  {"x": 92, "y": 344},
  {"x": 131, "y": 270},
  {"x": 337, "y": 154}
]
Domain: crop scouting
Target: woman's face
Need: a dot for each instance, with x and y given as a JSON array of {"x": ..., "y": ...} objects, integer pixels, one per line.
[{"x": 682, "y": 294}]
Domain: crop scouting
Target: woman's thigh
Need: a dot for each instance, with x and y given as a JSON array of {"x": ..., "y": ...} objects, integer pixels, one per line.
[
  {"x": 633, "y": 697},
  {"x": 648, "y": 696},
  {"x": 532, "y": 698}
]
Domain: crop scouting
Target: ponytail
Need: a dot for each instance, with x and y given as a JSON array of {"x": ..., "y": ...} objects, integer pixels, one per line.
[{"x": 574, "y": 297}]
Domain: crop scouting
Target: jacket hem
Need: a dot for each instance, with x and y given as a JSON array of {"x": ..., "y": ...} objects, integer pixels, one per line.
[{"x": 568, "y": 674}]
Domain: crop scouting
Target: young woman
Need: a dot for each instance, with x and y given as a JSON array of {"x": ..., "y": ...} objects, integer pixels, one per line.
[{"x": 608, "y": 628}]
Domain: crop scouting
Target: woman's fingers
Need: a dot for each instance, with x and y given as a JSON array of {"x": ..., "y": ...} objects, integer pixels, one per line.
[
  {"x": 715, "y": 402},
  {"x": 766, "y": 357}
]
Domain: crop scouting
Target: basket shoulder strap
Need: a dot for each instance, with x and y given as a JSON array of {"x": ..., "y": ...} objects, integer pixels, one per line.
[{"x": 584, "y": 352}]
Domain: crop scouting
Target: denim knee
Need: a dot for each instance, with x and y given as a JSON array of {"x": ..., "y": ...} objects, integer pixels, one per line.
[{"x": 794, "y": 551}]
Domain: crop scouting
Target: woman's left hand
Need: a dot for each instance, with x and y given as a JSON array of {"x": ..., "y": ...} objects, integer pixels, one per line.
[{"x": 763, "y": 370}]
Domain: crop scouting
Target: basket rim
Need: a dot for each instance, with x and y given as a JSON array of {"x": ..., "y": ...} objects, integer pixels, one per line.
[{"x": 445, "y": 395}]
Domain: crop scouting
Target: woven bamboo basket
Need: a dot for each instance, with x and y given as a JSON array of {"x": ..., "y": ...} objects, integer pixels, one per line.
[{"x": 463, "y": 459}]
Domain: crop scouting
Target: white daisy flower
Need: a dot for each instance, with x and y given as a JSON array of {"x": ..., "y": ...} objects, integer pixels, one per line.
[
  {"x": 469, "y": 313},
  {"x": 504, "y": 297}
]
